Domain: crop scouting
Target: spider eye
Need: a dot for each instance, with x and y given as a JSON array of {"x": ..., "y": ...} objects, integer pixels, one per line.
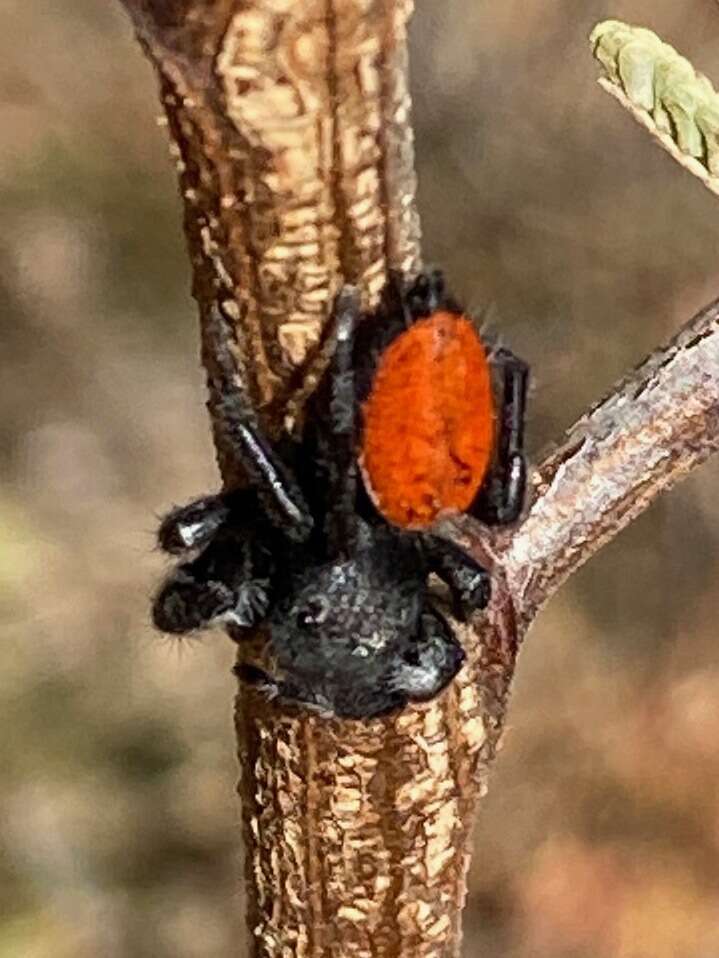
[
  {"x": 411, "y": 656},
  {"x": 314, "y": 613}
]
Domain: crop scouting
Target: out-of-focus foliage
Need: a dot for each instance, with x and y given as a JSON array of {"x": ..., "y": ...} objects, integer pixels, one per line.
[
  {"x": 679, "y": 103},
  {"x": 118, "y": 824}
]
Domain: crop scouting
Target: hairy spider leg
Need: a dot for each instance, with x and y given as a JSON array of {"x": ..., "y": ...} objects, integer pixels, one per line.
[
  {"x": 192, "y": 526},
  {"x": 289, "y": 691},
  {"x": 432, "y": 661},
  {"x": 273, "y": 482},
  {"x": 501, "y": 497},
  {"x": 226, "y": 584},
  {"x": 334, "y": 425},
  {"x": 427, "y": 295},
  {"x": 229, "y": 580},
  {"x": 470, "y": 584},
  {"x": 284, "y": 689}
]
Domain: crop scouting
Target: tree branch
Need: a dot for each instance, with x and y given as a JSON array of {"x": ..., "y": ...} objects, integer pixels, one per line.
[
  {"x": 654, "y": 427},
  {"x": 290, "y": 127}
]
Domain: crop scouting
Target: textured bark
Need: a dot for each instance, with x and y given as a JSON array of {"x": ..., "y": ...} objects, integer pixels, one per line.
[
  {"x": 652, "y": 429},
  {"x": 290, "y": 126}
]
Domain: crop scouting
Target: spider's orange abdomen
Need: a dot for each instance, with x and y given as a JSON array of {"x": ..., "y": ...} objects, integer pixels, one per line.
[{"x": 429, "y": 422}]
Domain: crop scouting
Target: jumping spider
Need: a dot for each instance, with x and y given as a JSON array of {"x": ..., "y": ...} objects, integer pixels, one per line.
[{"x": 352, "y": 629}]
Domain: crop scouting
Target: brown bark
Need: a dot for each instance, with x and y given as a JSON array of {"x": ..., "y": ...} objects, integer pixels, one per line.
[
  {"x": 369, "y": 824},
  {"x": 290, "y": 125},
  {"x": 652, "y": 429}
]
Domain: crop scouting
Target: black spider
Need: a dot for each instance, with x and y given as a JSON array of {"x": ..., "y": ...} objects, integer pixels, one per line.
[{"x": 351, "y": 626}]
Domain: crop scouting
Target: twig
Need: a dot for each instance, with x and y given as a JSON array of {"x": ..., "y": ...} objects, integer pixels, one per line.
[
  {"x": 646, "y": 435},
  {"x": 291, "y": 129},
  {"x": 652, "y": 429}
]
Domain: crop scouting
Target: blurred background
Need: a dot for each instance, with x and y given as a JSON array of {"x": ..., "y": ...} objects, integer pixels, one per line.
[{"x": 118, "y": 819}]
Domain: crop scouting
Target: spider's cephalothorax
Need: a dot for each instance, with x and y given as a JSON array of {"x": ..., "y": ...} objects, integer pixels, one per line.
[{"x": 337, "y": 567}]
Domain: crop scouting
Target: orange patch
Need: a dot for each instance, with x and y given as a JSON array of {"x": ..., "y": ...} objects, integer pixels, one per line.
[{"x": 429, "y": 422}]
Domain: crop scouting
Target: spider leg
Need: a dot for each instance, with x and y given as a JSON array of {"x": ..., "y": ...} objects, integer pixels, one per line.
[
  {"x": 357, "y": 704},
  {"x": 275, "y": 486},
  {"x": 192, "y": 526},
  {"x": 427, "y": 294},
  {"x": 431, "y": 662},
  {"x": 334, "y": 426},
  {"x": 227, "y": 584},
  {"x": 470, "y": 584},
  {"x": 282, "y": 690},
  {"x": 501, "y": 497}
]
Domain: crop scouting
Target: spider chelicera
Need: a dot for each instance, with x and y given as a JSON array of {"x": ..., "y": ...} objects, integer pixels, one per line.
[{"x": 352, "y": 628}]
